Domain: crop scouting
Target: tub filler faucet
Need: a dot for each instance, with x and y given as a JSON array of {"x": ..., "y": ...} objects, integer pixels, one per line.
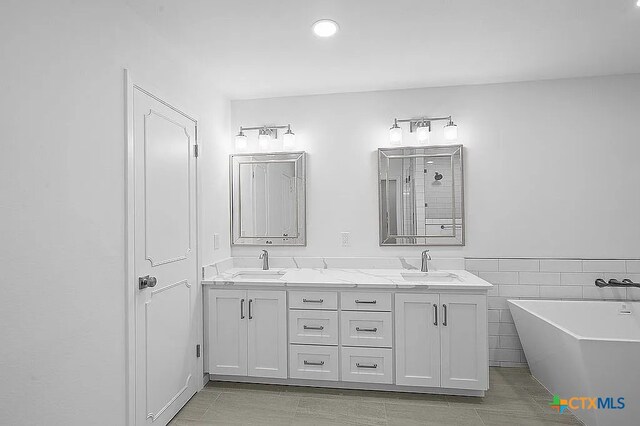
[
  {"x": 265, "y": 260},
  {"x": 426, "y": 257}
]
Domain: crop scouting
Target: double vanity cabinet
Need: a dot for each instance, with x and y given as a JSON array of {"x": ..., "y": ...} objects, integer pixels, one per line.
[{"x": 384, "y": 334}]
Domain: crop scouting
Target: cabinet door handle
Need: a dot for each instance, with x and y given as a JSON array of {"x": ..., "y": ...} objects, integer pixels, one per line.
[
  {"x": 435, "y": 314},
  {"x": 242, "y": 309},
  {"x": 250, "y": 314},
  {"x": 312, "y": 300},
  {"x": 371, "y": 330},
  {"x": 444, "y": 321},
  {"x": 313, "y": 327},
  {"x": 366, "y": 365},
  {"x": 313, "y": 362},
  {"x": 368, "y": 302}
]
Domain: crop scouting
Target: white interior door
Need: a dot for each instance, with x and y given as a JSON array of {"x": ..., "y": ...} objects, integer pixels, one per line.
[
  {"x": 417, "y": 340},
  {"x": 267, "y": 347},
  {"x": 464, "y": 341},
  {"x": 165, "y": 251},
  {"x": 228, "y": 332}
]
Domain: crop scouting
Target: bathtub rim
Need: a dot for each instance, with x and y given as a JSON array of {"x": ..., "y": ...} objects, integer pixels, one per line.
[{"x": 571, "y": 333}]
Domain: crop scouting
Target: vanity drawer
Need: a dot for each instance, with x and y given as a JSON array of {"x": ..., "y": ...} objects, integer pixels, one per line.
[
  {"x": 366, "y": 329},
  {"x": 369, "y": 365},
  {"x": 313, "y": 327},
  {"x": 313, "y": 300},
  {"x": 366, "y": 301},
  {"x": 313, "y": 362}
]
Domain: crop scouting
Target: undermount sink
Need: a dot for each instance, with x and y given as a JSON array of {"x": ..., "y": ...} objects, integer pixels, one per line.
[
  {"x": 259, "y": 275},
  {"x": 432, "y": 277}
]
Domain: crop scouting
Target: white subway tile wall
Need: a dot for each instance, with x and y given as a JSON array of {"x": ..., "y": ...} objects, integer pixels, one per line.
[{"x": 565, "y": 279}]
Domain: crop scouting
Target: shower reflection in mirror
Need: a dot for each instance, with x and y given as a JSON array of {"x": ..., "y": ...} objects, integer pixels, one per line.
[{"x": 421, "y": 196}]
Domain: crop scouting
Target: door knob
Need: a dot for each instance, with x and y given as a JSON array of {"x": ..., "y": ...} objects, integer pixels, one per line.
[{"x": 146, "y": 281}]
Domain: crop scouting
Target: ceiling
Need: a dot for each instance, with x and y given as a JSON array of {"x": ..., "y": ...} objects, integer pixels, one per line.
[{"x": 261, "y": 48}]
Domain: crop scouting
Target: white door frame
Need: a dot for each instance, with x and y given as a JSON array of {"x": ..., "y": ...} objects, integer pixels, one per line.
[{"x": 130, "y": 278}]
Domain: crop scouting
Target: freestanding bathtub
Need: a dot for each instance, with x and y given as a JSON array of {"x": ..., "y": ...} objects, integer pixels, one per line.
[{"x": 585, "y": 349}]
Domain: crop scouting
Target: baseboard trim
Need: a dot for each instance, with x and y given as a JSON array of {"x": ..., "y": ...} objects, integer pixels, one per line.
[{"x": 343, "y": 385}]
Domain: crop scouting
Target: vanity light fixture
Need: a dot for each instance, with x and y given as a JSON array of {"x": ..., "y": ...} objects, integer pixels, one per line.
[
  {"x": 241, "y": 141},
  {"x": 266, "y": 134},
  {"x": 451, "y": 131},
  {"x": 264, "y": 137},
  {"x": 422, "y": 127},
  {"x": 395, "y": 134},
  {"x": 325, "y": 28},
  {"x": 288, "y": 139}
]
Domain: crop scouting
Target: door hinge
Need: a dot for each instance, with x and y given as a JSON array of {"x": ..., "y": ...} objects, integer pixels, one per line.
[
  {"x": 196, "y": 150},
  {"x": 197, "y": 351}
]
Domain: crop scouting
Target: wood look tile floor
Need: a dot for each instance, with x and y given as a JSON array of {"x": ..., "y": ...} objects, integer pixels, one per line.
[{"x": 515, "y": 398}]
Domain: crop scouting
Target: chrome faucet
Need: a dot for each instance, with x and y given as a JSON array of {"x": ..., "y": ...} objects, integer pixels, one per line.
[
  {"x": 265, "y": 260},
  {"x": 426, "y": 257}
]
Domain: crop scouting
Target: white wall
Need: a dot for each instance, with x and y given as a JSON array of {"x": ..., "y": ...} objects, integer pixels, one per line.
[
  {"x": 62, "y": 330},
  {"x": 551, "y": 168}
]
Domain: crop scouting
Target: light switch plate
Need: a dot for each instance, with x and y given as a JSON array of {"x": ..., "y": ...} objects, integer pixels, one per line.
[{"x": 216, "y": 241}]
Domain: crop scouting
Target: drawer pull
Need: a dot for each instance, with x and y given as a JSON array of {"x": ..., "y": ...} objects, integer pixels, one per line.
[
  {"x": 313, "y": 362},
  {"x": 313, "y": 327},
  {"x": 366, "y": 365},
  {"x": 371, "y": 330},
  {"x": 313, "y": 300},
  {"x": 368, "y": 302}
]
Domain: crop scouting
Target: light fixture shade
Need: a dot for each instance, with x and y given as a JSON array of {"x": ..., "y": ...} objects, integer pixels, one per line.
[
  {"x": 395, "y": 134},
  {"x": 241, "y": 142},
  {"x": 451, "y": 131},
  {"x": 288, "y": 140},
  {"x": 263, "y": 140},
  {"x": 423, "y": 132}
]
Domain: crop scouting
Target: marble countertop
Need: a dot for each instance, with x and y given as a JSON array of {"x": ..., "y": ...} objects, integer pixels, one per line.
[{"x": 349, "y": 278}]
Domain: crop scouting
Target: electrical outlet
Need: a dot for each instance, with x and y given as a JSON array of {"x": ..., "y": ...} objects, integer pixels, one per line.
[
  {"x": 345, "y": 237},
  {"x": 216, "y": 241}
]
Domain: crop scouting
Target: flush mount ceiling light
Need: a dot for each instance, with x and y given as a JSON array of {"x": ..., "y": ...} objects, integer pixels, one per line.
[
  {"x": 325, "y": 28},
  {"x": 422, "y": 128},
  {"x": 266, "y": 134}
]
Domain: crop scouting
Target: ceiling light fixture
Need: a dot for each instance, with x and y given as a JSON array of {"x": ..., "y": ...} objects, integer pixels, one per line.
[
  {"x": 325, "y": 28},
  {"x": 422, "y": 127},
  {"x": 266, "y": 134}
]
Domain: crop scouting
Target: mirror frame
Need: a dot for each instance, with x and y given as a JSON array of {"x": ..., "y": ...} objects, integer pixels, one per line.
[
  {"x": 430, "y": 240},
  {"x": 299, "y": 159}
]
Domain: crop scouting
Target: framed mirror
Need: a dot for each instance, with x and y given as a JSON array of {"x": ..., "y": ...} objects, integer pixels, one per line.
[
  {"x": 421, "y": 196},
  {"x": 268, "y": 199}
]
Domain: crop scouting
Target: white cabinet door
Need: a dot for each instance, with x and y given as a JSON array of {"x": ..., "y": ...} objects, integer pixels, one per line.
[
  {"x": 417, "y": 340},
  {"x": 464, "y": 341},
  {"x": 267, "y": 315},
  {"x": 228, "y": 332}
]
